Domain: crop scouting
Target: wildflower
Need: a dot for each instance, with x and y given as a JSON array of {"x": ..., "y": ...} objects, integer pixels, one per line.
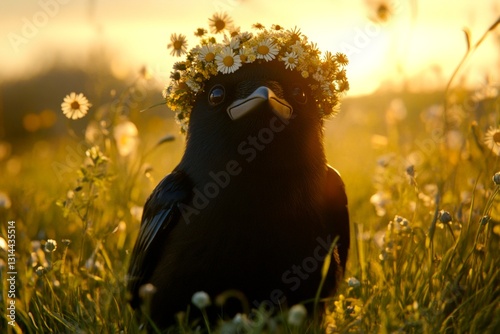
[
  {"x": 5, "y": 200},
  {"x": 178, "y": 45},
  {"x": 496, "y": 178},
  {"x": 267, "y": 50},
  {"x": 445, "y": 217},
  {"x": 380, "y": 200},
  {"x": 147, "y": 290},
  {"x": 353, "y": 282},
  {"x": 136, "y": 212},
  {"x": 492, "y": 140},
  {"x": 219, "y": 22},
  {"x": 50, "y": 246},
  {"x": 207, "y": 53},
  {"x": 258, "y": 26},
  {"x": 200, "y": 32},
  {"x": 126, "y": 139},
  {"x": 227, "y": 61},
  {"x": 382, "y": 12},
  {"x": 297, "y": 314},
  {"x": 40, "y": 271},
  {"x": 201, "y": 299},
  {"x": 233, "y": 43},
  {"x": 290, "y": 59},
  {"x": 95, "y": 154},
  {"x": 75, "y": 106},
  {"x": 66, "y": 242}
]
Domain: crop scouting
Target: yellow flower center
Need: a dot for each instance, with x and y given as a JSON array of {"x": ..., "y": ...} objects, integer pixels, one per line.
[
  {"x": 263, "y": 49},
  {"x": 496, "y": 138},
  {"x": 75, "y": 105},
  {"x": 291, "y": 60},
  {"x": 228, "y": 61},
  {"x": 219, "y": 25},
  {"x": 243, "y": 58},
  {"x": 177, "y": 45},
  {"x": 209, "y": 56}
]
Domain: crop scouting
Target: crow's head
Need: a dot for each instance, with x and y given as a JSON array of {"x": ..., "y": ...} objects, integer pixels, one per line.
[
  {"x": 257, "y": 96},
  {"x": 254, "y": 85}
]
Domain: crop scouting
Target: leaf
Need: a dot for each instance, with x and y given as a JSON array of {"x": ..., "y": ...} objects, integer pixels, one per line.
[
  {"x": 153, "y": 106},
  {"x": 467, "y": 37},
  {"x": 166, "y": 139}
]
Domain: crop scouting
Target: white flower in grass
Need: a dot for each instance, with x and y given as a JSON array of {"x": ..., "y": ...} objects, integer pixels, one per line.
[
  {"x": 126, "y": 137},
  {"x": 353, "y": 282},
  {"x": 201, "y": 299},
  {"x": 267, "y": 50},
  {"x": 247, "y": 55},
  {"x": 147, "y": 290},
  {"x": 492, "y": 140},
  {"x": 75, "y": 106},
  {"x": 297, "y": 314},
  {"x": 227, "y": 61}
]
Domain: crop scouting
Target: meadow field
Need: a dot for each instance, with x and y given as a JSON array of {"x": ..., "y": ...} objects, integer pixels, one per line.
[{"x": 422, "y": 173}]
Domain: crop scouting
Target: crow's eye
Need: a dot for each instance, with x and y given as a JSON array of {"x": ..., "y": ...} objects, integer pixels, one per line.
[
  {"x": 216, "y": 95},
  {"x": 299, "y": 95}
]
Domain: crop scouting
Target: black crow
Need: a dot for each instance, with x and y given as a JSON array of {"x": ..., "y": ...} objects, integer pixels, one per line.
[{"x": 252, "y": 207}]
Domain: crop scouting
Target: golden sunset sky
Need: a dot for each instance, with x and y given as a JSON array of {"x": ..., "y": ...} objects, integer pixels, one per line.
[{"x": 418, "y": 46}]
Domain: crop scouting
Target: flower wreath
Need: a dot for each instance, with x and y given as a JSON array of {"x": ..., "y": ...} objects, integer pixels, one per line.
[{"x": 210, "y": 58}]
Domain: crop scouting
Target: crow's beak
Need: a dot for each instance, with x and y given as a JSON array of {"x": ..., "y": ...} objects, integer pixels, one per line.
[{"x": 258, "y": 98}]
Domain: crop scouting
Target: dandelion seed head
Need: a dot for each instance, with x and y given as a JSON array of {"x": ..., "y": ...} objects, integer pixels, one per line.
[
  {"x": 297, "y": 314},
  {"x": 201, "y": 299},
  {"x": 353, "y": 282},
  {"x": 147, "y": 291}
]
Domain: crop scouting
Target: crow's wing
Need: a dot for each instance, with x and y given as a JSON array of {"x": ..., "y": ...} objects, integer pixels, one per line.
[
  {"x": 161, "y": 213},
  {"x": 337, "y": 213}
]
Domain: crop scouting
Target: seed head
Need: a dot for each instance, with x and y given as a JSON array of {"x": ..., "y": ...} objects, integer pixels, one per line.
[
  {"x": 201, "y": 299},
  {"x": 50, "y": 245},
  {"x": 445, "y": 217},
  {"x": 496, "y": 178}
]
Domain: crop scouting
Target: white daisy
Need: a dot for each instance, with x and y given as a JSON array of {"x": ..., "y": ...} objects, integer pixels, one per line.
[
  {"x": 75, "y": 106},
  {"x": 247, "y": 55},
  {"x": 297, "y": 48},
  {"x": 126, "y": 137},
  {"x": 178, "y": 45},
  {"x": 227, "y": 61},
  {"x": 206, "y": 53},
  {"x": 220, "y": 22},
  {"x": 290, "y": 59},
  {"x": 267, "y": 50},
  {"x": 492, "y": 140},
  {"x": 233, "y": 42}
]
